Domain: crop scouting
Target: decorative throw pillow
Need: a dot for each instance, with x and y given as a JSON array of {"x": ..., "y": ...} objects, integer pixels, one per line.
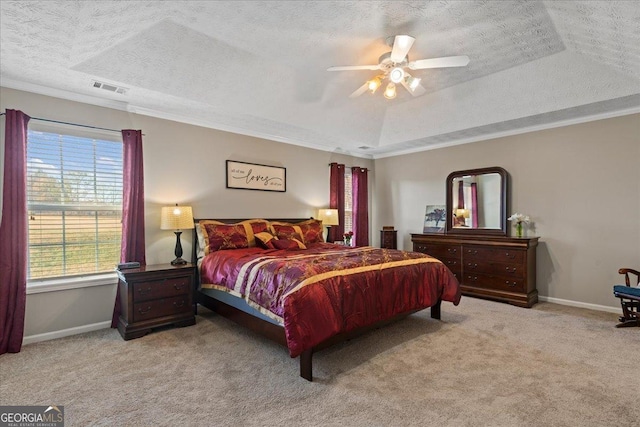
[
  {"x": 311, "y": 231},
  {"x": 289, "y": 244},
  {"x": 265, "y": 240},
  {"x": 284, "y": 230},
  {"x": 224, "y": 236}
]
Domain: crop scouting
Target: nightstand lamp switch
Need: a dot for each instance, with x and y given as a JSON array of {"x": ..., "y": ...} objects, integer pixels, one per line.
[
  {"x": 328, "y": 217},
  {"x": 177, "y": 218}
]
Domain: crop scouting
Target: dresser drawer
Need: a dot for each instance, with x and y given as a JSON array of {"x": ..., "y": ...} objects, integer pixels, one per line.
[
  {"x": 161, "y": 307},
  {"x": 494, "y": 282},
  {"x": 439, "y": 251},
  {"x": 161, "y": 288},
  {"x": 486, "y": 254},
  {"x": 494, "y": 268}
]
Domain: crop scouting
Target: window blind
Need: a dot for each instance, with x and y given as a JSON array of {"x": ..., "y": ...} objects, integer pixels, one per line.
[{"x": 74, "y": 202}]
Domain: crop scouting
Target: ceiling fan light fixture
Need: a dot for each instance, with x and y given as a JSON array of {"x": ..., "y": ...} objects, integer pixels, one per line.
[
  {"x": 396, "y": 75},
  {"x": 374, "y": 84},
  {"x": 412, "y": 82},
  {"x": 390, "y": 91}
]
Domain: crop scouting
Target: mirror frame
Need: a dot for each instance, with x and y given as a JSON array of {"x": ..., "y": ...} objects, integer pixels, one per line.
[{"x": 504, "y": 200}]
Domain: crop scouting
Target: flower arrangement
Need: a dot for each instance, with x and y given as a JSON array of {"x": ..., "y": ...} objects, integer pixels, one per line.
[
  {"x": 347, "y": 238},
  {"x": 519, "y": 219}
]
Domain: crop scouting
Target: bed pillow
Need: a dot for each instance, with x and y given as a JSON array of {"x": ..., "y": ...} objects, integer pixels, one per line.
[
  {"x": 285, "y": 230},
  {"x": 224, "y": 236},
  {"x": 294, "y": 244},
  {"x": 265, "y": 240},
  {"x": 311, "y": 231}
]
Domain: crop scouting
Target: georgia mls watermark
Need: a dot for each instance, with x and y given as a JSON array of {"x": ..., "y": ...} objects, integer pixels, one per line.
[{"x": 31, "y": 416}]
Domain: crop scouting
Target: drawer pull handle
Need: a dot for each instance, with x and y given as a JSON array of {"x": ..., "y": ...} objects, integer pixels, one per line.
[
  {"x": 177, "y": 286},
  {"x": 474, "y": 278},
  {"x": 511, "y": 270},
  {"x": 510, "y": 284},
  {"x": 452, "y": 250},
  {"x": 175, "y": 303},
  {"x": 144, "y": 291},
  {"x": 510, "y": 256},
  {"x": 474, "y": 252},
  {"x": 141, "y": 311},
  {"x": 474, "y": 265}
]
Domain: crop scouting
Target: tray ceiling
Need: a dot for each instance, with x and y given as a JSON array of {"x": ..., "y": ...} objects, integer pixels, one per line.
[{"x": 259, "y": 68}]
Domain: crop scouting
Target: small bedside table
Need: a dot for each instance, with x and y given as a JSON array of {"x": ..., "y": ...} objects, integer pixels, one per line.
[
  {"x": 388, "y": 239},
  {"x": 155, "y": 295}
]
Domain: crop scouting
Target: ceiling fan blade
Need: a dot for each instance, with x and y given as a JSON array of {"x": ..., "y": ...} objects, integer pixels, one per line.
[
  {"x": 354, "y": 67},
  {"x": 447, "y": 61},
  {"x": 362, "y": 89},
  {"x": 418, "y": 91},
  {"x": 401, "y": 46}
]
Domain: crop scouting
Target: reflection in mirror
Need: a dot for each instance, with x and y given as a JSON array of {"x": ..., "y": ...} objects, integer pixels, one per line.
[{"x": 477, "y": 201}]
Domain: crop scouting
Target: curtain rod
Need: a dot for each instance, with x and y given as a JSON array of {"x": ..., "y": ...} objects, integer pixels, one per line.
[
  {"x": 360, "y": 167},
  {"x": 72, "y": 124}
]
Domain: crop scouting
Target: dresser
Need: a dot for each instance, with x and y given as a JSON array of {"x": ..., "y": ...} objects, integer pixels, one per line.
[
  {"x": 155, "y": 295},
  {"x": 389, "y": 239},
  {"x": 492, "y": 267}
]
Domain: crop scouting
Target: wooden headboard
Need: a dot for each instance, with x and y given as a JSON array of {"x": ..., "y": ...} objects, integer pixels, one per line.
[{"x": 194, "y": 246}]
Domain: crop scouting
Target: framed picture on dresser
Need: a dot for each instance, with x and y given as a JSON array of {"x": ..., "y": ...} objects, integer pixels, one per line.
[{"x": 435, "y": 219}]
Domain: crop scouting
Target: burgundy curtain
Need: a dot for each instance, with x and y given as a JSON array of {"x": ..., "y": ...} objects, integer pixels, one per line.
[
  {"x": 460, "y": 195},
  {"x": 336, "y": 199},
  {"x": 360, "y": 189},
  {"x": 13, "y": 233},
  {"x": 132, "y": 247},
  {"x": 474, "y": 205}
]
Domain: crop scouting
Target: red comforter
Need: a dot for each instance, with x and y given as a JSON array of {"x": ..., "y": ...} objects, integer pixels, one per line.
[{"x": 329, "y": 289}]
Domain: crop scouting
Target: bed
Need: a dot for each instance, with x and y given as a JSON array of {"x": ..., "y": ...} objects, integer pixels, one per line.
[{"x": 279, "y": 278}]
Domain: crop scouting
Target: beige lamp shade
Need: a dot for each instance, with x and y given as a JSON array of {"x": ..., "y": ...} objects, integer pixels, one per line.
[
  {"x": 462, "y": 213},
  {"x": 328, "y": 216},
  {"x": 176, "y": 218}
]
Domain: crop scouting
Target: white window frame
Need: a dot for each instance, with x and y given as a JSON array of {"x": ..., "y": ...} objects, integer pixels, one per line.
[{"x": 85, "y": 280}]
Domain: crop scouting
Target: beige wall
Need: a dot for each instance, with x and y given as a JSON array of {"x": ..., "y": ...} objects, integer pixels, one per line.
[
  {"x": 580, "y": 184},
  {"x": 183, "y": 164}
]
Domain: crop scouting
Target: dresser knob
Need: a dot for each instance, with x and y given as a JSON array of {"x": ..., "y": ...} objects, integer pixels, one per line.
[
  {"x": 474, "y": 265},
  {"x": 452, "y": 250},
  {"x": 144, "y": 291},
  {"x": 510, "y": 284},
  {"x": 178, "y": 305},
  {"x": 510, "y": 256},
  {"x": 474, "y": 278},
  {"x": 177, "y": 287},
  {"x": 141, "y": 311}
]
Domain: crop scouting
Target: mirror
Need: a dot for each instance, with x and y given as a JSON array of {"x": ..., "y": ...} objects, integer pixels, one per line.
[{"x": 477, "y": 202}]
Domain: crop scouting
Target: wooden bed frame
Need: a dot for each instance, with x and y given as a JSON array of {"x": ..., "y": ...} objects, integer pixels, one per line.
[{"x": 275, "y": 332}]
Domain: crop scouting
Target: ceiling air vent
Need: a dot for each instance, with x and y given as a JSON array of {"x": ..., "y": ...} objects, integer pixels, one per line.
[{"x": 109, "y": 87}]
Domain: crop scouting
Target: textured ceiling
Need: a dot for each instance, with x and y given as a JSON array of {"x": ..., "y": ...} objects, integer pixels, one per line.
[{"x": 259, "y": 68}]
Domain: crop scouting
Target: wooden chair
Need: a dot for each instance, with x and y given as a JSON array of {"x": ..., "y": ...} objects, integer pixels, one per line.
[{"x": 629, "y": 299}]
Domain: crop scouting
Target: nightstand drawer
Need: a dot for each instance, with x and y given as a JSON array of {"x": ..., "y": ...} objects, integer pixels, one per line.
[
  {"x": 160, "y": 307},
  {"x": 441, "y": 252},
  {"x": 161, "y": 288}
]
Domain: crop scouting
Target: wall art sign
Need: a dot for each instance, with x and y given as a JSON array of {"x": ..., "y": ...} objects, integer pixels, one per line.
[
  {"x": 434, "y": 219},
  {"x": 251, "y": 176}
]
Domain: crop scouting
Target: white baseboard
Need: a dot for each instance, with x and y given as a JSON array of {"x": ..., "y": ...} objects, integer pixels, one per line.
[
  {"x": 66, "y": 332},
  {"x": 578, "y": 304}
]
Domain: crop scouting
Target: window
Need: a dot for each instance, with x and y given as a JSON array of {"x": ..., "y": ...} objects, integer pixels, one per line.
[
  {"x": 74, "y": 202},
  {"x": 348, "y": 201}
]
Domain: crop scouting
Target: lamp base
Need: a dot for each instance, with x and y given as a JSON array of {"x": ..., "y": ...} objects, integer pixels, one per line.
[
  {"x": 178, "y": 261},
  {"x": 329, "y": 239}
]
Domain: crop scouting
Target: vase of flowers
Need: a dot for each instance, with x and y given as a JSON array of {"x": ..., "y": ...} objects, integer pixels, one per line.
[
  {"x": 347, "y": 238},
  {"x": 519, "y": 219}
]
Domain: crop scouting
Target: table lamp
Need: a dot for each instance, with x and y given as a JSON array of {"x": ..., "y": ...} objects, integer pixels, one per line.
[
  {"x": 177, "y": 218},
  {"x": 328, "y": 217}
]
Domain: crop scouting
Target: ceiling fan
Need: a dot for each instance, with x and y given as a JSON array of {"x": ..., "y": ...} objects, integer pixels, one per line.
[{"x": 394, "y": 66}]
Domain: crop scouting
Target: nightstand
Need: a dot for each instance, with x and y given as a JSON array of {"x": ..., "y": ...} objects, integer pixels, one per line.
[
  {"x": 155, "y": 295},
  {"x": 388, "y": 239}
]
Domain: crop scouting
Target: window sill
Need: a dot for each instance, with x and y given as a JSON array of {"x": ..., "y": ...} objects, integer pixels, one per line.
[{"x": 66, "y": 283}]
